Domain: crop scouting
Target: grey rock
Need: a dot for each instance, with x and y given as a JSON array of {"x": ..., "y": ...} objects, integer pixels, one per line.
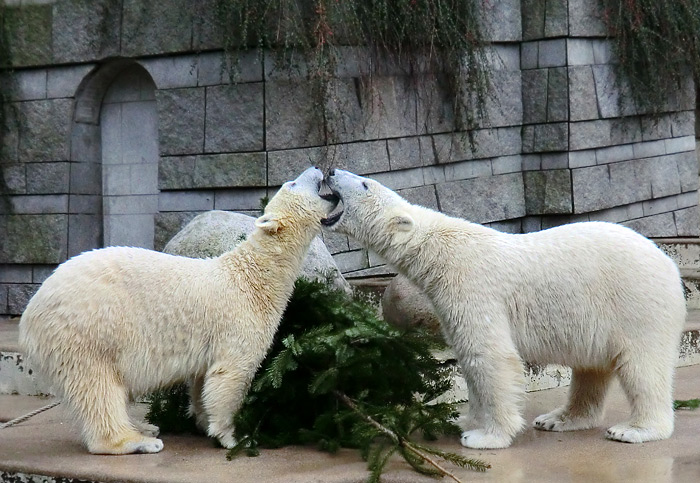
[
  {"x": 405, "y": 306},
  {"x": 552, "y": 53},
  {"x": 28, "y": 31},
  {"x": 86, "y": 178},
  {"x": 13, "y": 178},
  {"x": 64, "y": 81},
  {"x": 533, "y": 19},
  {"x": 18, "y": 296},
  {"x": 176, "y": 172},
  {"x": 687, "y": 170},
  {"x": 529, "y": 53},
  {"x": 501, "y": 20},
  {"x": 579, "y": 52},
  {"x": 216, "y": 232},
  {"x": 234, "y": 120},
  {"x": 16, "y": 274},
  {"x": 47, "y": 244},
  {"x": 582, "y": 93},
  {"x": 687, "y": 221},
  {"x": 552, "y": 137},
  {"x": 590, "y": 134},
  {"x": 167, "y": 225},
  {"x": 656, "y": 127},
  {"x": 39, "y": 204},
  {"x": 614, "y": 96},
  {"x": 9, "y": 132},
  {"x": 556, "y": 22},
  {"x": 28, "y": 85},
  {"x": 287, "y": 164},
  {"x": 406, "y": 178},
  {"x": 554, "y": 160},
  {"x": 483, "y": 200},
  {"x": 335, "y": 242},
  {"x": 421, "y": 195},
  {"x": 406, "y": 153},
  {"x": 684, "y": 124},
  {"x": 625, "y": 130},
  {"x": 230, "y": 170},
  {"x": 173, "y": 72},
  {"x": 85, "y": 30},
  {"x": 662, "y": 225},
  {"x": 360, "y": 158},
  {"x": 586, "y": 19},
  {"x": 181, "y": 120},
  {"x": 548, "y": 192},
  {"x": 186, "y": 201},
  {"x": 534, "y": 96},
  {"x": 48, "y": 178},
  {"x": 171, "y": 33},
  {"x": 86, "y": 233},
  {"x": 239, "y": 199},
  {"x": 291, "y": 117},
  {"x": 352, "y": 261},
  {"x": 507, "y": 164},
  {"x": 45, "y": 130},
  {"x": 612, "y": 154},
  {"x": 505, "y": 106},
  {"x": 557, "y": 95}
]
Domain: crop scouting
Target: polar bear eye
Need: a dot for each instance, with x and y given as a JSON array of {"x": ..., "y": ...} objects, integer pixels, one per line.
[{"x": 364, "y": 185}]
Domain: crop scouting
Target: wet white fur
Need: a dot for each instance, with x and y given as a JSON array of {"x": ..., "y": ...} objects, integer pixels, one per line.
[
  {"x": 594, "y": 296},
  {"x": 119, "y": 322}
]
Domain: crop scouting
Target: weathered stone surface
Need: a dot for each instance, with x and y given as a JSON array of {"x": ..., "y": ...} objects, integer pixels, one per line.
[
  {"x": 533, "y": 19},
  {"x": 230, "y": 170},
  {"x": 47, "y": 178},
  {"x": 38, "y": 204},
  {"x": 656, "y": 127},
  {"x": 662, "y": 225},
  {"x": 505, "y": 106},
  {"x": 240, "y": 199},
  {"x": 579, "y": 52},
  {"x": 45, "y": 130},
  {"x": 507, "y": 164},
  {"x": 18, "y": 296},
  {"x": 684, "y": 123},
  {"x": 234, "y": 118},
  {"x": 548, "y": 192},
  {"x": 552, "y": 137},
  {"x": 28, "y": 31},
  {"x": 176, "y": 172},
  {"x": 47, "y": 243},
  {"x": 529, "y": 53},
  {"x": 218, "y": 68},
  {"x": 216, "y": 232},
  {"x": 291, "y": 117},
  {"x": 13, "y": 179},
  {"x": 86, "y": 30},
  {"x": 614, "y": 97},
  {"x": 16, "y": 274},
  {"x": 687, "y": 170},
  {"x": 360, "y": 158},
  {"x": 557, "y": 95},
  {"x": 409, "y": 153},
  {"x": 582, "y": 94},
  {"x": 173, "y": 72},
  {"x": 586, "y": 19},
  {"x": 625, "y": 130},
  {"x": 287, "y": 164},
  {"x": 141, "y": 35},
  {"x": 168, "y": 224},
  {"x": 467, "y": 169},
  {"x": 590, "y": 134},
  {"x": 26, "y": 85},
  {"x": 687, "y": 221},
  {"x": 580, "y": 159},
  {"x": 552, "y": 53},
  {"x": 421, "y": 195},
  {"x": 679, "y": 145},
  {"x": 352, "y": 261},
  {"x": 181, "y": 120},
  {"x": 501, "y": 20},
  {"x": 554, "y": 160},
  {"x": 405, "y": 306},
  {"x": 9, "y": 133},
  {"x": 86, "y": 232},
  {"x": 660, "y": 205},
  {"x": 86, "y": 178},
  {"x": 534, "y": 96},
  {"x": 64, "y": 81},
  {"x": 406, "y": 178},
  {"x": 483, "y": 200},
  {"x": 186, "y": 201},
  {"x": 556, "y": 22}
]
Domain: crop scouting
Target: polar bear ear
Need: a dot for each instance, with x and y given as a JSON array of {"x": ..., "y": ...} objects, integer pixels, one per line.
[
  {"x": 268, "y": 223},
  {"x": 402, "y": 221}
]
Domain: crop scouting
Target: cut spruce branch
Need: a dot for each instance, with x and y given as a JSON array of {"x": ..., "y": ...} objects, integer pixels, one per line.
[
  {"x": 686, "y": 404},
  {"x": 338, "y": 376}
]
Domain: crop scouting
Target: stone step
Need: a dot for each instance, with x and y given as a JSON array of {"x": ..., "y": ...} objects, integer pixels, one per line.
[
  {"x": 48, "y": 448},
  {"x": 686, "y": 253}
]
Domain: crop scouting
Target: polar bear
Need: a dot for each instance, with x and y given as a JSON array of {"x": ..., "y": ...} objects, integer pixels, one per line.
[
  {"x": 597, "y": 297},
  {"x": 119, "y": 322}
]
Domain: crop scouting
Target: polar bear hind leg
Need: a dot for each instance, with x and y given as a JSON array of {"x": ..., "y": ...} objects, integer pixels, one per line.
[
  {"x": 99, "y": 400},
  {"x": 649, "y": 388},
  {"x": 585, "y": 405}
]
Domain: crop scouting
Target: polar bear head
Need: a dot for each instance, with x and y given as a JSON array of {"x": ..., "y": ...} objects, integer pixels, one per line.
[
  {"x": 297, "y": 208},
  {"x": 371, "y": 213}
]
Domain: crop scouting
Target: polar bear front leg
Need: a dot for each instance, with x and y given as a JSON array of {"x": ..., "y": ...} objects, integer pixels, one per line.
[
  {"x": 496, "y": 390},
  {"x": 225, "y": 386},
  {"x": 196, "y": 409}
]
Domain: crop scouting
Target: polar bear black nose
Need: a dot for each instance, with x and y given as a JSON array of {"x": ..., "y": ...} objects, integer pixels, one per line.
[{"x": 332, "y": 172}]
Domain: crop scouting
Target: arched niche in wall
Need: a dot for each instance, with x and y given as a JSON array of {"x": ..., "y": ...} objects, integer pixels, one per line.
[{"x": 114, "y": 154}]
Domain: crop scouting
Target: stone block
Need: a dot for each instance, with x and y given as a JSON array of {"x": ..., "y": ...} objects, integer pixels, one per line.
[
  {"x": 625, "y": 130},
  {"x": 47, "y": 244},
  {"x": 579, "y": 52},
  {"x": 239, "y": 199},
  {"x": 687, "y": 170},
  {"x": 173, "y": 72},
  {"x": 679, "y": 145},
  {"x": 48, "y": 178},
  {"x": 434, "y": 174},
  {"x": 507, "y": 164},
  {"x": 292, "y": 119},
  {"x": 86, "y": 178},
  {"x": 360, "y": 158},
  {"x": 181, "y": 117},
  {"x": 656, "y": 127},
  {"x": 660, "y": 205},
  {"x": 647, "y": 149},
  {"x": 557, "y": 95},
  {"x": 421, "y": 195},
  {"x": 529, "y": 54},
  {"x": 41, "y": 273},
  {"x": 590, "y": 134},
  {"x": 64, "y": 81},
  {"x": 351, "y": 261},
  {"x": 396, "y": 180},
  {"x": 176, "y": 172},
  {"x": 85, "y": 30},
  {"x": 586, "y": 19},
  {"x": 435, "y": 112},
  {"x": 335, "y": 242},
  {"x": 130, "y": 204},
  {"x": 9, "y": 132},
  {"x": 614, "y": 97},
  {"x": 510, "y": 226},
  {"x": 410, "y": 152},
  {"x": 288, "y": 164},
  {"x": 468, "y": 169},
  {"x": 28, "y": 31},
  {"x": 234, "y": 118},
  {"x": 13, "y": 179},
  {"x": 171, "y": 33},
  {"x": 552, "y": 137},
  {"x": 591, "y": 189},
  {"x": 582, "y": 94},
  {"x": 27, "y": 85},
  {"x": 134, "y": 230},
  {"x": 533, "y": 19},
  {"x": 532, "y": 162},
  {"x": 556, "y": 23},
  {"x": 218, "y": 68},
  {"x": 580, "y": 159},
  {"x": 662, "y": 225},
  {"x": 554, "y": 160},
  {"x": 603, "y": 51},
  {"x": 86, "y": 145},
  {"x": 503, "y": 56},
  {"x": 18, "y": 296},
  {"x": 186, "y": 201},
  {"x": 687, "y": 199},
  {"x": 528, "y": 139},
  {"x": 85, "y": 204},
  {"x": 16, "y": 274},
  {"x": 505, "y": 106},
  {"x": 683, "y": 123},
  {"x": 230, "y": 170},
  {"x": 3, "y": 299},
  {"x": 687, "y": 221},
  {"x": 547, "y": 192},
  {"x": 38, "y": 204},
  {"x": 612, "y": 154},
  {"x": 483, "y": 200},
  {"x": 86, "y": 233},
  {"x": 501, "y": 20},
  {"x": 534, "y": 95},
  {"x": 45, "y": 129},
  {"x": 169, "y": 224},
  {"x": 551, "y": 53},
  {"x": 531, "y": 224}
]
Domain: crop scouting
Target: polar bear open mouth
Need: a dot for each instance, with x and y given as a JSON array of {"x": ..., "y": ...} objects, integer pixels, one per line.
[{"x": 337, "y": 212}]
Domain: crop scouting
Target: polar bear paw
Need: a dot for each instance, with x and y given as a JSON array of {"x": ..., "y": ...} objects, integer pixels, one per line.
[
  {"x": 147, "y": 429},
  {"x": 480, "y": 439},
  {"x": 627, "y": 433},
  {"x": 147, "y": 445},
  {"x": 560, "y": 420}
]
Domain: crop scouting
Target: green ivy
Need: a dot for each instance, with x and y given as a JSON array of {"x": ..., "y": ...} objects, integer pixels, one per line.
[{"x": 340, "y": 376}]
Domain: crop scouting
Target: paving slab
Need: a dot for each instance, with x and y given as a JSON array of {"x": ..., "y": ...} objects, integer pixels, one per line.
[{"x": 49, "y": 444}]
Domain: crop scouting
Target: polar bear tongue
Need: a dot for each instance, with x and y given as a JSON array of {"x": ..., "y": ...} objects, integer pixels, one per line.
[{"x": 332, "y": 219}]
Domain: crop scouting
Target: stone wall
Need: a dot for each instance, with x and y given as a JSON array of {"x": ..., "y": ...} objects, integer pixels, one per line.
[{"x": 556, "y": 145}]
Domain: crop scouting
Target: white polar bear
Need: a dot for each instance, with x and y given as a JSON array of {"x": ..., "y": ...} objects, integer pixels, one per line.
[
  {"x": 119, "y": 322},
  {"x": 594, "y": 296}
]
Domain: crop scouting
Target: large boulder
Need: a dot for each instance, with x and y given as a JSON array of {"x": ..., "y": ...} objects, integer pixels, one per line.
[
  {"x": 404, "y": 305},
  {"x": 215, "y": 232}
]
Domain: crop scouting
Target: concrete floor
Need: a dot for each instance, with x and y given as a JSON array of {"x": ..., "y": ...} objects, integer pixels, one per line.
[{"x": 49, "y": 444}]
